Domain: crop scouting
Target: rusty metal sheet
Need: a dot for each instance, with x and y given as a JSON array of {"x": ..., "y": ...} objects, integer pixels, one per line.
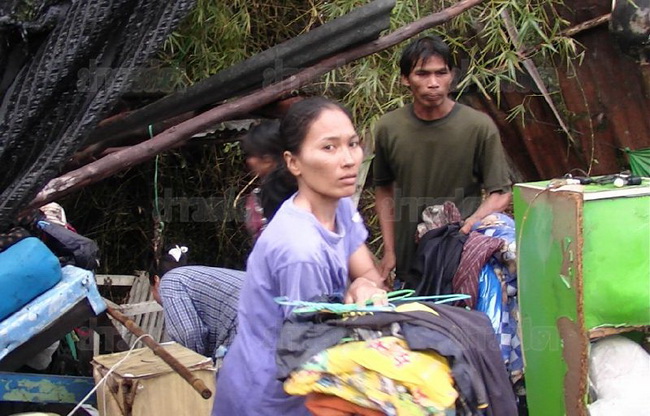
[{"x": 608, "y": 102}]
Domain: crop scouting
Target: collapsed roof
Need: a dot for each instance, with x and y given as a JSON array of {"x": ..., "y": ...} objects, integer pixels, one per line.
[{"x": 54, "y": 94}]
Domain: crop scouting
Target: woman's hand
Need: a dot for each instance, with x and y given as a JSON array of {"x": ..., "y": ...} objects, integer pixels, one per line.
[{"x": 362, "y": 290}]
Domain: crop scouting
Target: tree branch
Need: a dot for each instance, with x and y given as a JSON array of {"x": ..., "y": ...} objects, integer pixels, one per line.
[
  {"x": 534, "y": 73},
  {"x": 588, "y": 24}
]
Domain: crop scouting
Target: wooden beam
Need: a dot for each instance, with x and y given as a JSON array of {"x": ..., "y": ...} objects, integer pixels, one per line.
[
  {"x": 116, "y": 162},
  {"x": 114, "y": 279},
  {"x": 132, "y": 309}
]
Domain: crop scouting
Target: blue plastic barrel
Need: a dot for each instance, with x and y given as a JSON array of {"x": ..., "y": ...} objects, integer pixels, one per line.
[{"x": 27, "y": 269}]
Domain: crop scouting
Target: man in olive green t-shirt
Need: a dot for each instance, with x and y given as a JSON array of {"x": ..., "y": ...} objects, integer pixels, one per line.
[{"x": 431, "y": 151}]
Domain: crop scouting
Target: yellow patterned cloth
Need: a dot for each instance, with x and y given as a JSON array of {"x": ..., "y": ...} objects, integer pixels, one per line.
[{"x": 382, "y": 374}]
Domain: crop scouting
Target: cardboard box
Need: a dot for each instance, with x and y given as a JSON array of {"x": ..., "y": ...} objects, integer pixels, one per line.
[{"x": 144, "y": 384}]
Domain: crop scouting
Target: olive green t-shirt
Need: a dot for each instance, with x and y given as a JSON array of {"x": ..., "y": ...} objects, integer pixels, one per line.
[{"x": 430, "y": 162}]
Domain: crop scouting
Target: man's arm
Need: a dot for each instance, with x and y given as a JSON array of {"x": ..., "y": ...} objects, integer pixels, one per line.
[
  {"x": 493, "y": 167},
  {"x": 385, "y": 208},
  {"x": 495, "y": 202}
]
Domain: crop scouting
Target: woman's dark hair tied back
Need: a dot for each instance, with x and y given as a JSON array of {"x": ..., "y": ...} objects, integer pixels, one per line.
[
  {"x": 174, "y": 256},
  {"x": 301, "y": 115},
  {"x": 281, "y": 184}
]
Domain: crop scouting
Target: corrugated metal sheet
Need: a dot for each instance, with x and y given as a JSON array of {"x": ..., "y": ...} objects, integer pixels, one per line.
[
  {"x": 607, "y": 103},
  {"x": 360, "y": 26}
]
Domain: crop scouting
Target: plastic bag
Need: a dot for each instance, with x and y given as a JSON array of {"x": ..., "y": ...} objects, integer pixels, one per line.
[
  {"x": 619, "y": 370},
  {"x": 490, "y": 299},
  {"x": 501, "y": 226}
]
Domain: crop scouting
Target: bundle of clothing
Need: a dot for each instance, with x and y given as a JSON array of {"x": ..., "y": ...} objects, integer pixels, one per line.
[
  {"x": 481, "y": 264},
  {"x": 419, "y": 358}
]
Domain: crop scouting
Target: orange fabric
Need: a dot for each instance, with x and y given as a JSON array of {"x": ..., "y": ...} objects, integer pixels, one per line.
[{"x": 326, "y": 405}]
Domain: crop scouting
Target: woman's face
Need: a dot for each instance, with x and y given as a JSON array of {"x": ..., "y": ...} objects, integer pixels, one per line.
[{"x": 328, "y": 162}]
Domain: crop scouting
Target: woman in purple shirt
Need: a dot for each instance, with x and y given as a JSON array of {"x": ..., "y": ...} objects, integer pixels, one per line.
[{"x": 314, "y": 245}]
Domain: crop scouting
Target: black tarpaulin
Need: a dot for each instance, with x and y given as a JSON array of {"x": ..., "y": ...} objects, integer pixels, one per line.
[{"x": 53, "y": 93}]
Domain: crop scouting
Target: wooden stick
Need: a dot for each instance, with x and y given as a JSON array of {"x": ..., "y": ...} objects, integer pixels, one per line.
[
  {"x": 161, "y": 352},
  {"x": 587, "y": 25}
]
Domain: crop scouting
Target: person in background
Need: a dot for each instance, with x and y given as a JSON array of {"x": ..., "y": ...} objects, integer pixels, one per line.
[
  {"x": 431, "y": 151},
  {"x": 263, "y": 151},
  {"x": 54, "y": 213},
  {"x": 314, "y": 245},
  {"x": 199, "y": 302}
]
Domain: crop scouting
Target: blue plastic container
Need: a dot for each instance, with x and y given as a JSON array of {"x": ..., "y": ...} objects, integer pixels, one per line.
[{"x": 27, "y": 269}]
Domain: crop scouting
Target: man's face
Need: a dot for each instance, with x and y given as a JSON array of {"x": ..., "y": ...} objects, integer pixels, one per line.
[{"x": 430, "y": 82}]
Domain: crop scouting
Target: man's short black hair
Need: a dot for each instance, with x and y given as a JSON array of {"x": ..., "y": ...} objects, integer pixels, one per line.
[{"x": 422, "y": 49}]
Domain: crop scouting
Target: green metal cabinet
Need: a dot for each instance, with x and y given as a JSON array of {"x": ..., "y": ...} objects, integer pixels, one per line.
[{"x": 584, "y": 272}]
